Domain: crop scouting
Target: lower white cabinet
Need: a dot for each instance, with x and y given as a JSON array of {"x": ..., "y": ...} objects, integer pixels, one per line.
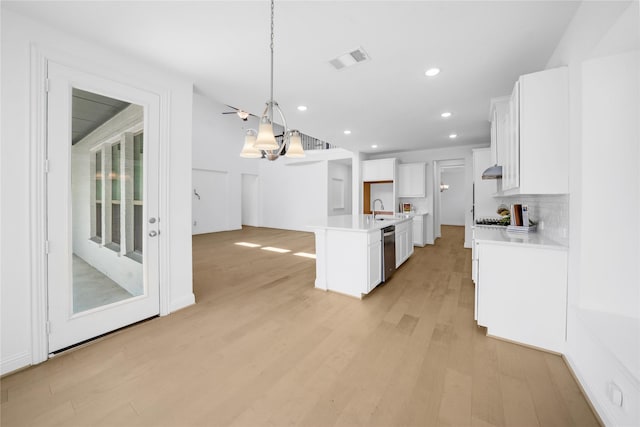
[
  {"x": 521, "y": 293},
  {"x": 374, "y": 260},
  {"x": 420, "y": 230},
  {"x": 404, "y": 241}
]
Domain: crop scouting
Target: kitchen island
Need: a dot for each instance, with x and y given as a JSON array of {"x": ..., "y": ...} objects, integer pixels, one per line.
[{"x": 349, "y": 251}]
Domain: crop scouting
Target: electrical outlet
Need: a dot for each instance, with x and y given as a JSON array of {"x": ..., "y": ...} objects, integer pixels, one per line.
[{"x": 195, "y": 223}]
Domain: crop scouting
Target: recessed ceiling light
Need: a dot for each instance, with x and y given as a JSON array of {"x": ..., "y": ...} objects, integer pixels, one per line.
[
  {"x": 432, "y": 72},
  {"x": 347, "y": 132},
  {"x": 374, "y": 146},
  {"x": 453, "y": 136},
  {"x": 446, "y": 114},
  {"x": 302, "y": 108}
]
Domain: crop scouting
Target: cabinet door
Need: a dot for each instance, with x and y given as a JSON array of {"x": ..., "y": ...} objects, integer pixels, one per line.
[
  {"x": 404, "y": 180},
  {"x": 411, "y": 177},
  {"x": 378, "y": 170},
  {"x": 418, "y": 230},
  {"x": 400, "y": 236},
  {"x": 499, "y": 107},
  {"x": 374, "y": 276},
  {"x": 544, "y": 132},
  {"x": 409, "y": 241},
  {"x": 514, "y": 140},
  {"x": 511, "y": 156}
]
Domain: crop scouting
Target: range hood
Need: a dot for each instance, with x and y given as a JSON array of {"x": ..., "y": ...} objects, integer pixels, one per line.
[{"x": 494, "y": 172}]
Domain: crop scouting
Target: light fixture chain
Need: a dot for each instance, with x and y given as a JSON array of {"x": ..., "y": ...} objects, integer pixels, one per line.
[{"x": 272, "y": 38}]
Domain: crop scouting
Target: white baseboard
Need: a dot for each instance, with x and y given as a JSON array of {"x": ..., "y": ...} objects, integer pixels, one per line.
[
  {"x": 182, "y": 302},
  {"x": 15, "y": 362}
]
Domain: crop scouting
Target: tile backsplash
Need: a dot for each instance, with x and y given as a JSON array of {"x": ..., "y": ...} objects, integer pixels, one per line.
[{"x": 551, "y": 212}]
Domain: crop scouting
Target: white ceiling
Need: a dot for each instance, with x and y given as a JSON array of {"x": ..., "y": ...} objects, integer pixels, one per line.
[{"x": 223, "y": 46}]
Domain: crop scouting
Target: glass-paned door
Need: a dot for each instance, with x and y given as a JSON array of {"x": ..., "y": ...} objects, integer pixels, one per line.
[{"x": 102, "y": 206}]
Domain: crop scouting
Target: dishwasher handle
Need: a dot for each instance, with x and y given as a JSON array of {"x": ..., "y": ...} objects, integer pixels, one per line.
[{"x": 388, "y": 231}]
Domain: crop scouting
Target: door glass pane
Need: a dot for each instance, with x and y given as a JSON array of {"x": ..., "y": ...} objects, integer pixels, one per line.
[{"x": 106, "y": 207}]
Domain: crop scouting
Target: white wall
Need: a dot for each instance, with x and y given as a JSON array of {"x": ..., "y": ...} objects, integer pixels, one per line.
[
  {"x": 442, "y": 154},
  {"x": 603, "y": 332},
  {"x": 21, "y": 38},
  {"x": 217, "y": 141},
  {"x": 452, "y": 201},
  {"x": 339, "y": 188}
]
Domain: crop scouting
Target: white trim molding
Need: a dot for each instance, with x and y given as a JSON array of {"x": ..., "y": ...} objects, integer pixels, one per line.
[{"x": 38, "y": 201}]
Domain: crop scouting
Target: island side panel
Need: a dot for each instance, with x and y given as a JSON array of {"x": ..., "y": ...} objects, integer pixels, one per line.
[
  {"x": 346, "y": 268},
  {"x": 321, "y": 259}
]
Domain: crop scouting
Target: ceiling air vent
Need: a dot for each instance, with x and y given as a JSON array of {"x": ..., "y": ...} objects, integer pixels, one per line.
[{"x": 349, "y": 59}]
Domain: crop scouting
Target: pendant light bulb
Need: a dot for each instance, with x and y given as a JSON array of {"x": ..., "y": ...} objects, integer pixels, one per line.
[
  {"x": 266, "y": 140},
  {"x": 295, "y": 145},
  {"x": 249, "y": 150}
]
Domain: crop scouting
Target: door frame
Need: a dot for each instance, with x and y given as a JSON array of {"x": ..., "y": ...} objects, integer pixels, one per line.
[{"x": 39, "y": 58}]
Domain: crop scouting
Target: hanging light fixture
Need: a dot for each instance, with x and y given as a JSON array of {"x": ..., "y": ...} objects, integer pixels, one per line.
[{"x": 265, "y": 143}]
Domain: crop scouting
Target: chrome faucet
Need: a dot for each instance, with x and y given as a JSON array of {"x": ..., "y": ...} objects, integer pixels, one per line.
[{"x": 374, "y": 207}]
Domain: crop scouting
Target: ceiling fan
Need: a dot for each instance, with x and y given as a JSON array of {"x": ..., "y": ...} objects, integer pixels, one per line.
[{"x": 244, "y": 115}]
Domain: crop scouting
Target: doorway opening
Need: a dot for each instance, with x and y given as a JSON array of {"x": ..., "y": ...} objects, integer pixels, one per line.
[{"x": 449, "y": 194}]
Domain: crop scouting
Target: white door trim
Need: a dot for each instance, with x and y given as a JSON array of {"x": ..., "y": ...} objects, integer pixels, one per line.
[{"x": 37, "y": 125}]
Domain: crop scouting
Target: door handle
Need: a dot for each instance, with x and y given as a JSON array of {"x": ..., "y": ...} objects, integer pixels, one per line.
[
  {"x": 153, "y": 233},
  {"x": 152, "y": 220}
]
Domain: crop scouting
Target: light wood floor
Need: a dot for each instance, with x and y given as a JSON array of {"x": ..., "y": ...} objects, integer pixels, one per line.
[{"x": 262, "y": 347}]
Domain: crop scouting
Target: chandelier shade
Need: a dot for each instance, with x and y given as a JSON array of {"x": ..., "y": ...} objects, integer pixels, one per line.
[
  {"x": 266, "y": 140},
  {"x": 295, "y": 145},
  {"x": 249, "y": 149}
]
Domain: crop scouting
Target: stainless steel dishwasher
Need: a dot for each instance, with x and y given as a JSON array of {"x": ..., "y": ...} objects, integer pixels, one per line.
[{"x": 388, "y": 252}]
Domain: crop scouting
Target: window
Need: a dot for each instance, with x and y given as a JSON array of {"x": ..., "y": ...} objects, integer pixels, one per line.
[
  {"x": 117, "y": 205},
  {"x": 137, "y": 192},
  {"x": 115, "y": 195},
  {"x": 97, "y": 226}
]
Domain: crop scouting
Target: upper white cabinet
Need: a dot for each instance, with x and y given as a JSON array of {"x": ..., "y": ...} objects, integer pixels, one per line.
[
  {"x": 510, "y": 156},
  {"x": 534, "y": 148},
  {"x": 411, "y": 180},
  {"x": 498, "y": 117},
  {"x": 379, "y": 170}
]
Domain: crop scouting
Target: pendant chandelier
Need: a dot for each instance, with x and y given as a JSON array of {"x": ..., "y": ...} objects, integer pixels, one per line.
[{"x": 264, "y": 143}]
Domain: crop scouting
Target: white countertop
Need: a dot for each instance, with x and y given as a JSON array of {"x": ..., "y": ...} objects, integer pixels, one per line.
[
  {"x": 493, "y": 235},
  {"x": 360, "y": 223}
]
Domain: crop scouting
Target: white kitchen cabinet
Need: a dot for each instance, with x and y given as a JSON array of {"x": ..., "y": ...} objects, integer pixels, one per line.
[
  {"x": 411, "y": 179},
  {"x": 419, "y": 226},
  {"x": 521, "y": 293},
  {"x": 498, "y": 114},
  {"x": 404, "y": 241},
  {"x": 535, "y": 154},
  {"x": 379, "y": 170},
  {"x": 511, "y": 149},
  {"x": 374, "y": 260}
]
